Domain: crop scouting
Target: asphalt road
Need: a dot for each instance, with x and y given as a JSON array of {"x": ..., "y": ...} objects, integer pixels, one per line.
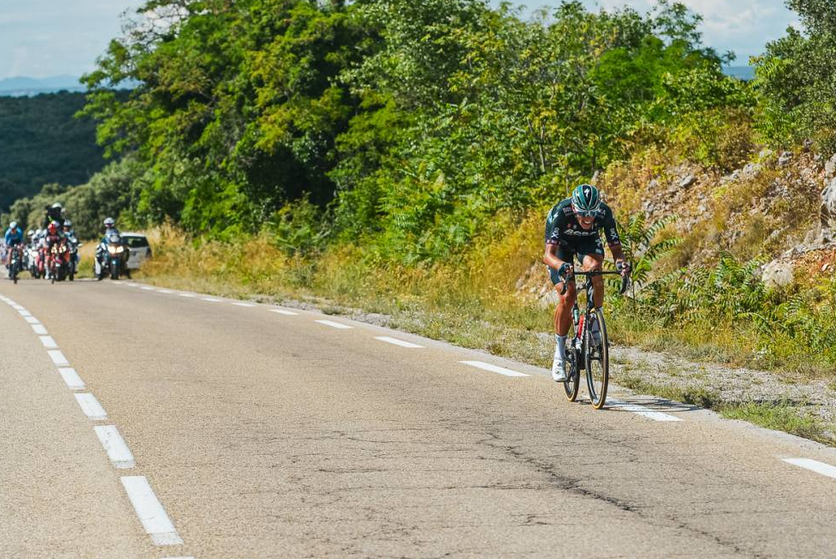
[{"x": 237, "y": 431}]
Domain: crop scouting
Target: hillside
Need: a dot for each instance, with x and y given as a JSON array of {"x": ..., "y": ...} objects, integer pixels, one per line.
[{"x": 41, "y": 142}]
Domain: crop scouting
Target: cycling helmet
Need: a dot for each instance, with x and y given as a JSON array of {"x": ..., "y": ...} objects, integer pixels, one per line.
[
  {"x": 30, "y": 233},
  {"x": 68, "y": 223},
  {"x": 586, "y": 201},
  {"x": 52, "y": 228},
  {"x": 13, "y": 225},
  {"x": 108, "y": 222}
]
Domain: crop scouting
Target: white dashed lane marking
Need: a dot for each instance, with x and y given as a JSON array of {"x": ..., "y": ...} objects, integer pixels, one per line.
[
  {"x": 210, "y": 299},
  {"x": 166, "y": 291},
  {"x": 146, "y": 288},
  {"x": 150, "y": 511},
  {"x": 39, "y": 329},
  {"x": 494, "y": 369},
  {"x": 641, "y": 410},
  {"x": 113, "y": 443},
  {"x": 31, "y": 320},
  {"x": 243, "y": 304},
  {"x": 395, "y": 341},
  {"x": 187, "y": 295},
  {"x": 813, "y": 466},
  {"x": 48, "y": 342},
  {"x": 333, "y": 324},
  {"x": 57, "y": 357},
  {"x": 71, "y": 378},
  {"x": 90, "y": 406},
  {"x": 24, "y": 313},
  {"x": 284, "y": 312}
]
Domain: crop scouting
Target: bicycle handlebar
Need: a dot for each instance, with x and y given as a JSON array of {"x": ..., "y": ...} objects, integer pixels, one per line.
[{"x": 593, "y": 273}]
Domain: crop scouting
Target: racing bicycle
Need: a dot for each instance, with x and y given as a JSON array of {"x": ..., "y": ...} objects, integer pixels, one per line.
[{"x": 588, "y": 346}]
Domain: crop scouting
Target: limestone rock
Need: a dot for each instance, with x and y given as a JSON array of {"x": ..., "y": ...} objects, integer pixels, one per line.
[
  {"x": 784, "y": 158},
  {"x": 830, "y": 168},
  {"x": 687, "y": 181},
  {"x": 828, "y": 211},
  {"x": 777, "y": 274}
]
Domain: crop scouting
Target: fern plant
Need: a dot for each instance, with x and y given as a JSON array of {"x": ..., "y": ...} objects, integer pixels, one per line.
[{"x": 638, "y": 241}]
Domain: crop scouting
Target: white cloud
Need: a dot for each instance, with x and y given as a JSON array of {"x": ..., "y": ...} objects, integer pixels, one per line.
[{"x": 742, "y": 26}]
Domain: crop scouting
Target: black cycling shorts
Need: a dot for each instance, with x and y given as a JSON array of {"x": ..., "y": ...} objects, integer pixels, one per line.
[{"x": 568, "y": 251}]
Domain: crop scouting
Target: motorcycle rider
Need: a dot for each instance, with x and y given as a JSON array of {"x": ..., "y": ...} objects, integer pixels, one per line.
[
  {"x": 101, "y": 250},
  {"x": 69, "y": 234},
  {"x": 55, "y": 213},
  {"x": 52, "y": 238},
  {"x": 14, "y": 236}
]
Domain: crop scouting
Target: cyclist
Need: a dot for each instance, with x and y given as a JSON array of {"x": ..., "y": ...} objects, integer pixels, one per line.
[
  {"x": 573, "y": 228},
  {"x": 14, "y": 236}
]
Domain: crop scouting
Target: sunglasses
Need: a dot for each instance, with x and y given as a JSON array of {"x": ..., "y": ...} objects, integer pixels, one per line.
[{"x": 585, "y": 213}]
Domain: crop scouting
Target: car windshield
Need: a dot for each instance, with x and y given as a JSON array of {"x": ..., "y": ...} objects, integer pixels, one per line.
[
  {"x": 137, "y": 242},
  {"x": 115, "y": 239}
]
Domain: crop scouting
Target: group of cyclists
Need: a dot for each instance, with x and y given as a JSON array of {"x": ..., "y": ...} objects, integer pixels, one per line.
[{"x": 45, "y": 246}]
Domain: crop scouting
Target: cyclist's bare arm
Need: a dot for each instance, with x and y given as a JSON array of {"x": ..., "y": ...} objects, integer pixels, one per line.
[{"x": 550, "y": 257}]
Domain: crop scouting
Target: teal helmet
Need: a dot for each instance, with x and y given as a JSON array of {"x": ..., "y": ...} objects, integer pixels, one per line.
[{"x": 586, "y": 200}]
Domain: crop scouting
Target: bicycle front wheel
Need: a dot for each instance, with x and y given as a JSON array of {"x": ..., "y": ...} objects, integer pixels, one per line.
[{"x": 597, "y": 358}]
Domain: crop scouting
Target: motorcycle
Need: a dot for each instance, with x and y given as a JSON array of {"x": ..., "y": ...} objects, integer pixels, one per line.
[
  {"x": 33, "y": 260},
  {"x": 112, "y": 258},
  {"x": 15, "y": 262},
  {"x": 59, "y": 261},
  {"x": 73, "y": 244}
]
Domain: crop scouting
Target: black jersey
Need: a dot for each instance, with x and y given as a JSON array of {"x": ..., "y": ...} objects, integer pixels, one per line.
[{"x": 562, "y": 227}]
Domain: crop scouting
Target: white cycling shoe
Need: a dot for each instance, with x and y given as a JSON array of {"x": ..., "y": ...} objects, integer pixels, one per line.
[{"x": 559, "y": 369}]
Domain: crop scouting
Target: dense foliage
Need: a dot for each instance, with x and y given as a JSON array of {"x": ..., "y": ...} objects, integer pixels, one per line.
[
  {"x": 41, "y": 142},
  {"x": 409, "y": 125}
]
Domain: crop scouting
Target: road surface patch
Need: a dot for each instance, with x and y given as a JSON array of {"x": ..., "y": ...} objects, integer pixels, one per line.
[
  {"x": 641, "y": 410},
  {"x": 115, "y": 447},
  {"x": 494, "y": 369},
  {"x": 71, "y": 378},
  {"x": 150, "y": 511},
  {"x": 90, "y": 406},
  {"x": 39, "y": 329},
  {"x": 333, "y": 324},
  {"x": 57, "y": 357},
  {"x": 48, "y": 342},
  {"x": 813, "y": 466},
  {"x": 397, "y": 342},
  {"x": 284, "y": 312}
]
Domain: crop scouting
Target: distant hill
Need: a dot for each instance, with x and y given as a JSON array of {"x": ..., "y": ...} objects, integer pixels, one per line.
[
  {"x": 41, "y": 142},
  {"x": 745, "y": 73},
  {"x": 26, "y": 87}
]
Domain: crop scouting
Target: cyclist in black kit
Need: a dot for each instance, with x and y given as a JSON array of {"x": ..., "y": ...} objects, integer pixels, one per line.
[{"x": 573, "y": 228}]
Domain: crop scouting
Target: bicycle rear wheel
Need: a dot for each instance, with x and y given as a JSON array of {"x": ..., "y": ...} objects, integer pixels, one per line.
[
  {"x": 597, "y": 358},
  {"x": 572, "y": 386}
]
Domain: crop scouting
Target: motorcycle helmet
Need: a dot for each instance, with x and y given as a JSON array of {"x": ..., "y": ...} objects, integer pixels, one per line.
[
  {"x": 57, "y": 206},
  {"x": 108, "y": 222}
]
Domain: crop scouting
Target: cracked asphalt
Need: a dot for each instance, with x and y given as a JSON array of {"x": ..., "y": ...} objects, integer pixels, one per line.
[{"x": 275, "y": 436}]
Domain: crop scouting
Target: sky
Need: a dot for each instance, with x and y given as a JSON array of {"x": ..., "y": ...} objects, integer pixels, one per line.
[{"x": 41, "y": 38}]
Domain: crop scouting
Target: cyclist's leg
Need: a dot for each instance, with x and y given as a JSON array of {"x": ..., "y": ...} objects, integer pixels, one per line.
[
  {"x": 592, "y": 257},
  {"x": 565, "y": 301}
]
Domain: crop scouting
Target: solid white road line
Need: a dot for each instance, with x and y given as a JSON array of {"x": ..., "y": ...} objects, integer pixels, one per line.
[
  {"x": 39, "y": 329},
  {"x": 48, "y": 342},
  {"x": 210, "y": 299},
  {"x": 71, "y": 378},
  {"x": 90, "y": 406},
  {"x": 494, "y": 368},
  {"x": 335, "y": 324},
  {"x": 31, "y": 320},
  {"x": 57, "y": 357},
  {"x": 396, "y": 341},
  {"x": 813, "y": 466},
  {"x": 284, "y": 312},
  {"x": 243, "y": 304},
  {"x": 113, "y": 443},
  {"x": 151, "y": 513},
  {"x": 187, "y": 295},
  {"x": 641, "y": 410}
]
